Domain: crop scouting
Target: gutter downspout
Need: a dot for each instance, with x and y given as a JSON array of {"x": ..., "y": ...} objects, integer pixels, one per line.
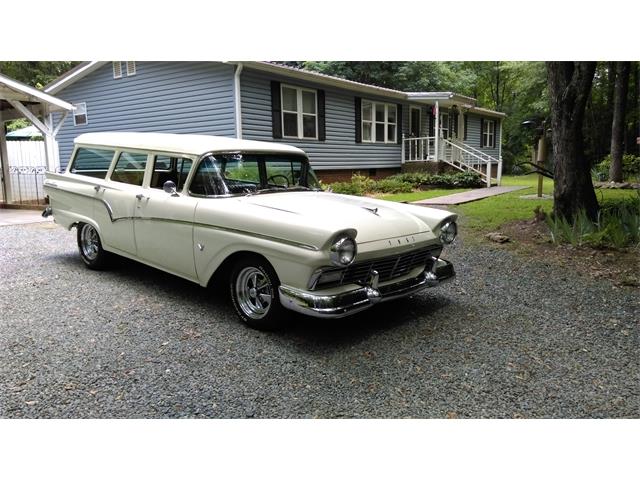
[{"x": 237, "y": 100}]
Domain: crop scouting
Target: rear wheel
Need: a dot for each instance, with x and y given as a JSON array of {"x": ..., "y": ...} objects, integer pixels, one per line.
[
  {"x": 90, "y": 247},
  {"x": 254, "y": 293}
]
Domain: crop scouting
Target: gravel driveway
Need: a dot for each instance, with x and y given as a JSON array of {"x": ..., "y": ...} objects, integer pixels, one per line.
[{"x": 511, "y": 337}]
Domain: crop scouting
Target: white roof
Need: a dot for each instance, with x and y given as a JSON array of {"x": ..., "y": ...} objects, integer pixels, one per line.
[
  {"x": 14, "y": 90},
  {"x": 187, "y": 144}
]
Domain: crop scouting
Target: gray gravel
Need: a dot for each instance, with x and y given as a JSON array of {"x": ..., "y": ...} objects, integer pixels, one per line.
[{"x": 511, "y": 337}]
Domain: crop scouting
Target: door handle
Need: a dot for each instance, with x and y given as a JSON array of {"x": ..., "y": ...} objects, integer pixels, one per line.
[
  {"x": 97, "y": 188},
  {"x": 140, "y": 196}
]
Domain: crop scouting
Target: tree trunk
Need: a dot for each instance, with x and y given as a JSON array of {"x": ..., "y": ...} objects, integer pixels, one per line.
[
  {"x": 569, "y": 88},
  {"x": 618, "y": 123}
]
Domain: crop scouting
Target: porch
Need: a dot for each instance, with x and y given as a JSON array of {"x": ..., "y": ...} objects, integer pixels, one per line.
[
  {"x": 453, "y": 152},
  {"x": 455, "y": 132}
]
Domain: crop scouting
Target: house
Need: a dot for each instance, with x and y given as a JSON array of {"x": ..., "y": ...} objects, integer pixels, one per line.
[{"x": 344, "y": 126}]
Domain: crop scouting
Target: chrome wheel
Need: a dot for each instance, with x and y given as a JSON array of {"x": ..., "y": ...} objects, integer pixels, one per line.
[
  {"x": 89, "y": 242},
  {"x": 254, "y": 292}
]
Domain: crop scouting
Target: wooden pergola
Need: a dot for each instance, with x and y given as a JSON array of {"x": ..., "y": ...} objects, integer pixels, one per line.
[{"x": 18, "y": 100}]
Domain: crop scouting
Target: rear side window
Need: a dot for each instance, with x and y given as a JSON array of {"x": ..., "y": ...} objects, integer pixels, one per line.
[
  {"x": 130, "y": 168},
  {"x": 92, "y": 162},
  {"x": 167, "y": 168}
]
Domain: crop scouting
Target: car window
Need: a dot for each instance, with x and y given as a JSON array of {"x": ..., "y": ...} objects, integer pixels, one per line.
[
  {"x": 239, "y": 170},
  {"x": 130, "y": 168},
  {"x": 166, "y": 168},
  {"x": 208, "y": 179},
  {"x": 92, "y": 162},
  {"x": 283, "y": 173}
]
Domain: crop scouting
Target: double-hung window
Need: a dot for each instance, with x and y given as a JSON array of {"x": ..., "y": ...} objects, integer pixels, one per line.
[
  {"x": 489, "y": 134},
  {"x": 299, "y": 112},
  {"x": 379, "y": 122},
  {"x": 80, "y": 114}
]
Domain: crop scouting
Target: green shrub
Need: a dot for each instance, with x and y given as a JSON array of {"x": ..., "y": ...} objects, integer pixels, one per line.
[
  {"x": 443, "y": 180},
  {"x": 630, "y": 167},
  {"x": 617, "y": 226},
  {"x": 347, "y": 188},
  {"x": 416, "y": 179},
  {"x": 406, "y": 182},
  {"x": 391, "y": 185}
]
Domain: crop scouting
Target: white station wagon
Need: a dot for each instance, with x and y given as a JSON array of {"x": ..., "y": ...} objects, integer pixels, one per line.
[{"x": 250, "y": 213}]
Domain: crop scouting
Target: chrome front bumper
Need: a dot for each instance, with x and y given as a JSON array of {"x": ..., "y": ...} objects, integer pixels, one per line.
[{"x": 354, "y": 301}]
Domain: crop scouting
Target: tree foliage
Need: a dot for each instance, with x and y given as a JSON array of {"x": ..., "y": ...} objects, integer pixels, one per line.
[{"x": 36, "y": 74}]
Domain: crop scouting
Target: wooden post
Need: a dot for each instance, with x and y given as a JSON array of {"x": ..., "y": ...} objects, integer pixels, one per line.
[
  {"x": 488, "y": 174},
  {"x": 4, "y": 164},
  {"x": 542, "y": 151},
  {"x": 437, "y": 132}
]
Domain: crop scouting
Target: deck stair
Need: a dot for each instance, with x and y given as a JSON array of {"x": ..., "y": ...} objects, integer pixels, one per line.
[{"x": 460, "y": 155}]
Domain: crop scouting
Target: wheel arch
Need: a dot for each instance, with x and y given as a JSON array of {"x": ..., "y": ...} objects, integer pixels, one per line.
[{"x": 222, "y": 273}]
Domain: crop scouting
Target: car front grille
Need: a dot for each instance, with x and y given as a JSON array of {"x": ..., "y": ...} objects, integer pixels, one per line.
[{"x": 388, "y": 268}]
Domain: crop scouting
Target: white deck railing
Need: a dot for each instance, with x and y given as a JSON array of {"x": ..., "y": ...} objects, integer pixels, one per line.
[
  {"x": 418, "y": 149},
  {"x": 460, "y": 155}
]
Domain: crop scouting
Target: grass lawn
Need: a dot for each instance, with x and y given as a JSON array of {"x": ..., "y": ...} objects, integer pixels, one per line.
[{"x": 490, "y": 213}]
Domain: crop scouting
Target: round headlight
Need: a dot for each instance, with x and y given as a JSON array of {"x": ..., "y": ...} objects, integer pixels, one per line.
[
  {"x": 343, "y": 251},
  {"x": 448, "y": 232}
]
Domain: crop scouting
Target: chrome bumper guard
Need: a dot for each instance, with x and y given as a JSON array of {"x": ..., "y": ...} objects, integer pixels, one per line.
[{"x": 348, "y": 303}]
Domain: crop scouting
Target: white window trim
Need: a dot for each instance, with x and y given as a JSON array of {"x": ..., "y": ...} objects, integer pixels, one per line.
[
  {"x": 489, "y": 136},
  {"x": 86, "y": 114},
  {"x": 299, "y": 113},
  {"x": 131, "y": 69},
  {"x": 373, "y": 122},
  {"x": 117, "y": 69}
]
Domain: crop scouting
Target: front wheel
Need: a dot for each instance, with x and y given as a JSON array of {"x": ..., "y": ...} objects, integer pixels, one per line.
[
  {"x": 254, "y": 293},
  {"x": 90, "y": 247}
]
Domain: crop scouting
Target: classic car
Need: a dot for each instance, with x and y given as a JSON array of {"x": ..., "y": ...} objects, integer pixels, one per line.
[{"x": 250, "y": 213}]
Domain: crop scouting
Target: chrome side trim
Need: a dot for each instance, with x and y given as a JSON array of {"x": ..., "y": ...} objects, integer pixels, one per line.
[{"x": 195, "y": 224}]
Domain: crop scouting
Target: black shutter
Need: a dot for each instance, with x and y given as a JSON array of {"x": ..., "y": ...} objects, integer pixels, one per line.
[
  {"x": 482, "y": 132},
  {"x": 465, "y": 126},
  {"x": 276, "y": 105},
  {"x": 399, "y": 122},
  {"x": 358, "y": 112},
  {"x": 322, "y": 131},
  {"x": 431, "y": 123}
]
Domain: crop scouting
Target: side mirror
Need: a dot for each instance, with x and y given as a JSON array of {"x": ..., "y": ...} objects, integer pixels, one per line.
[{"x": 170, "y": 187}]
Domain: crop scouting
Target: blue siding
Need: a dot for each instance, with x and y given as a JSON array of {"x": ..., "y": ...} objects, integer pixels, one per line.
[
  {"x": 339, "y": 150},
  {"x": 173, "y": 97},
  {"x": 473, "y": 134}
]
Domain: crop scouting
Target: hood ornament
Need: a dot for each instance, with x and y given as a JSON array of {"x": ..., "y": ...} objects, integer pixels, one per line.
[{"x": 372, "y": 210}]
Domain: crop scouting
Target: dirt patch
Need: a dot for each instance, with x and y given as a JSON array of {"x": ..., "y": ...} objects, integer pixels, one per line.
[{"x": 531, "y": 237}]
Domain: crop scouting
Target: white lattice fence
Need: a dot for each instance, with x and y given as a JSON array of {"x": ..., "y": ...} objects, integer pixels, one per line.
[{"x": 27, "y": 165}]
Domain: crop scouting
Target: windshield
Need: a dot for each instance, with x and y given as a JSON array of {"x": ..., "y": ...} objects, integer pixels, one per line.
[{"x": 247, "y": 173}]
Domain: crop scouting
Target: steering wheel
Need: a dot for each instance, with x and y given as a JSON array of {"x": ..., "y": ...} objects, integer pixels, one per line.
[{"x": 273, "y": 177}]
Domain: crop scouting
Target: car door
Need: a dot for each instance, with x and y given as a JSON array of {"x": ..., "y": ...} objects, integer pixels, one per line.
[
  {"x": 119, "y": 196},
  {"x": 163, "y": 222}
]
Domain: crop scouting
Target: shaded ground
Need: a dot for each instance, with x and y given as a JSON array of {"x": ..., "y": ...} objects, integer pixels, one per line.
[{"x": 513, "y": 336}]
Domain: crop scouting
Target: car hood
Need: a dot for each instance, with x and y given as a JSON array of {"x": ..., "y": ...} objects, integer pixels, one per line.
[{"x": 372, "y": 219}]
